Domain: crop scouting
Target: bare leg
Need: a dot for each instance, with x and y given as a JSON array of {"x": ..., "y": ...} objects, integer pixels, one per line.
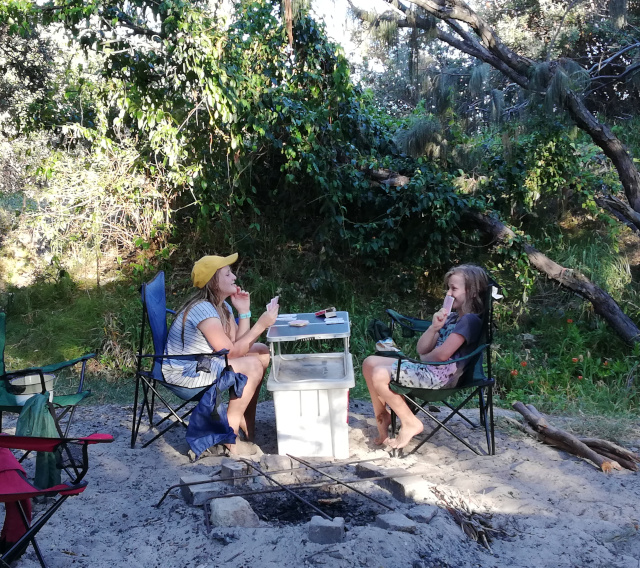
[
  {"x": 248, "y": 422},
  {"x": 253, "y": 369},
  {"x": 377, "y": 373},
  {"x": 372, "y": 366},
  {"x": 411, "y": 425}
]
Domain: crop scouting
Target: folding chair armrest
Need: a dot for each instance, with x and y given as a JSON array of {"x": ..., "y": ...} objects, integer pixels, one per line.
[
  {"x": 413, "y": 324},
  {"x": 185, "y": 357},
  {"x": 475, "y": 352},
  {"x": 54, "y": 367},
  {"x": 173, "y": 312},
  {"x": 39, "y": 444}
]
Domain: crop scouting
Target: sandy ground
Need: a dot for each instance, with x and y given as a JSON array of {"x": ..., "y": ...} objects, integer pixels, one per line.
[{"x": 549, "y": 508}]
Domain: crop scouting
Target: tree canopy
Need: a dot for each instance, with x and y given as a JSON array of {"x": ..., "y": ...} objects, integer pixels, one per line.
[{"x": 247, "y": 123}]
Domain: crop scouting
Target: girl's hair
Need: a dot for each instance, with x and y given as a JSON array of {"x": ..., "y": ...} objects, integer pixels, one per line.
[
  {"x": 209, "y": 293},
  {"x": 476, "y": 283}
]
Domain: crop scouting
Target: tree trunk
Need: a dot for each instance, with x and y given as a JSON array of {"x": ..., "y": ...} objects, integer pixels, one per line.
[
  {"x": 613, "y": 148},
  {"x": 603, "y": 304},
  {"x": 480, "y": 41}
]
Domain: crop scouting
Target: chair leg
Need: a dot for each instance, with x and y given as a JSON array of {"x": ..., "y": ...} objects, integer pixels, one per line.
[
  {"x": 32, "y": 530},
  {"x": 146, "y": 405},
  {"x": 152, "y": 407},
  {"x": 442, "y": 424},
  {"x": 483, "y": 407},
  {"x": 134, "y": 430},
  {"x": 460, "y": 415},
  {"x": 486, "y": 418},
  {"x": 491, "y": 423},
  {"x": 138, "y": 409}
]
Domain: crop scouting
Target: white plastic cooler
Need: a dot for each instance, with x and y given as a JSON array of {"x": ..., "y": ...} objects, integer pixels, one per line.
[{"x": 311, "y": 390}]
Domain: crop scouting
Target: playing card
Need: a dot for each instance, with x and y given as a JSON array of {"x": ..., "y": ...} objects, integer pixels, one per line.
[{"x": 448, "y": 303}]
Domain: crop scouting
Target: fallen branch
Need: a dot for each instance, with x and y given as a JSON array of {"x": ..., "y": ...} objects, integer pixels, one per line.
[
  {"x": 603, "y": 304},
  {"x": 565, "y": 440},
  {"x": 475, "y": 525},
  {"x": 597, "y": 444}
]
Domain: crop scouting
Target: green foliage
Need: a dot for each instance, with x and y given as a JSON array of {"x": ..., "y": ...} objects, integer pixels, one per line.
[
  {"x": 568, "y": 366},
  {"x": 81, "y": 207},
  {"x": 539, "y": 173},
  {"x": 231, "y": 120}
]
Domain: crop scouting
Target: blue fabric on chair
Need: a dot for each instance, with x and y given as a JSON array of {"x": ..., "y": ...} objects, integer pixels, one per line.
[
  {"x": 154, "y": 298},
  {"x": 208, "y": 425}
]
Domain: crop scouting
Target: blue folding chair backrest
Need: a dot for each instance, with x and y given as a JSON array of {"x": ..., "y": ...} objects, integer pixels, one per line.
[{"x": 155, "y": 305}]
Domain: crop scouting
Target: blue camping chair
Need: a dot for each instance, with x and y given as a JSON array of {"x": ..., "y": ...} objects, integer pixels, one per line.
[
  {"x": 472, "y": 383},
  {"x": 62, "y": 406},
  {"x": 150, "y": 382}
]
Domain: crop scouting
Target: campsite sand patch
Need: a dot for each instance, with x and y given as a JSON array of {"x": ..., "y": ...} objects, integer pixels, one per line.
[{"x": 548, "y": 508}]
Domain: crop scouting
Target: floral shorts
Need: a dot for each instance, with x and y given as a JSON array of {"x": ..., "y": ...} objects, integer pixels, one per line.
[{"x": 424, "y": 376}]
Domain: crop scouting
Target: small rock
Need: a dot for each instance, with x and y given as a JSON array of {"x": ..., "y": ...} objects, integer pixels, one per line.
[
  {"x": 197, "y": 494},
  {"x": 231, "y": 470},
  {"x": 324, "y": 531},
  {"x": 233, "y": 512},
  {"x": 273, "y": 462},
  {"x": 423, "y": 513},
  {"x": 396, "y": 522}
]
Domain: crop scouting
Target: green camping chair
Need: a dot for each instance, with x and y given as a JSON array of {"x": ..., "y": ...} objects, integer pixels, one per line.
[
  {"x": 473, "y": 383},
  {"x": 12, "y": 387}
]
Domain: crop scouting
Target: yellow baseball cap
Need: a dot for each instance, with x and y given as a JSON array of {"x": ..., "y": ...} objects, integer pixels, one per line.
[{"x": 207, "y": 266}]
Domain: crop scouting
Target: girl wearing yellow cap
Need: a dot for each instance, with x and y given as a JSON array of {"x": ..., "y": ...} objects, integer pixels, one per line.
[{"x": 206, "y": 324}]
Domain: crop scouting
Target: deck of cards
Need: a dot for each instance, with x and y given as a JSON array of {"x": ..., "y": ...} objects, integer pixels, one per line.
[
  {"x": 448, "y": 304},
  {"x": 326, "y": 313},
  {"x": 273, "y": 302}
]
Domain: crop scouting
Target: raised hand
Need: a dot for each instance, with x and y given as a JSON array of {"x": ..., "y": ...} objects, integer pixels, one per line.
[
  {"x": 269, "y": 317},
  {"x": 439, "y": 318},
  {"x": 241, "y": 300}
]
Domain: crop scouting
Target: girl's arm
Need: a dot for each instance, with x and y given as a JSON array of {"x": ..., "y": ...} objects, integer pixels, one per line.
[
  {"x": 445, "y": 351},
  {"x": 428, "y": 339},
  {"x": 213, "y": 331}
]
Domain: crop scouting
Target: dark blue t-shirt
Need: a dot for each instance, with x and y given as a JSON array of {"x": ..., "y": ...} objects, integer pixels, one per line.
[{"x": 469, "y": 326}]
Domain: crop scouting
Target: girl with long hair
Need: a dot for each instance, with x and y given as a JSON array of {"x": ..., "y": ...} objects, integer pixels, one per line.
[
  {"x": 206, "y": 324},
  {"x": 452, "y": 334}
]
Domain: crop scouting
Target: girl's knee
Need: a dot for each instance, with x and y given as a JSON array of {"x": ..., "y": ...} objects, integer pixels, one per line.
[
  {"x": 368, "y": 365},
  {"x": 249, "y": 366},
  {"x": 381, "y": 376},
  {"x": 259, "y": 348}
]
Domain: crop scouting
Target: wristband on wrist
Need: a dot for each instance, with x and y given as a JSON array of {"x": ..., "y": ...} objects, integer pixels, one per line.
[{"x": 245, "y": 316}]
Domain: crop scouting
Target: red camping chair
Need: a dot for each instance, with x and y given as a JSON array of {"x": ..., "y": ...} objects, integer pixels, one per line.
[{"x": 16, "y": 492}]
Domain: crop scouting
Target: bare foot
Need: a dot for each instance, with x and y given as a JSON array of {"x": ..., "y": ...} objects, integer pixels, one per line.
[
  {"x": 241, "y": 448},
  {"x": 246, "y": 432},
  {"x": 407, "y": 432},
  {"x": 383, "y": 421}
]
